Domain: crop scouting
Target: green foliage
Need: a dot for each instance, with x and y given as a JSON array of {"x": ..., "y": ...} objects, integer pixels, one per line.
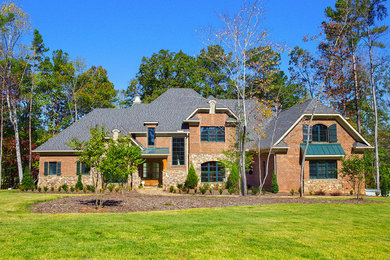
[
  {"x": 72, "y": 189},
  {"x": 274, "y": 184},
  {"x": 292, "y": 192},
  {"x": 111, "y": 187},
  {"x": 59, "y": 188},
  {"x": 79, "y": 184},
  {"x": 27, "y": 181},
  {"x": 45, "y": 188},
  {"x": 263, "y": 191},
  {"x": 255, "y": 190},
  {"x": 234, "y": 179},
  {"x": 117, "y": 189},
  {"x": 65, "y": 187},
  {"x": 85, "y": 189},
  {"x": 180, "y": 186},
  {"x": 220, "y": 191},
  {"x": 39, "y": 189},
  {"x": 231, "y": 190},
  {"x": 211, "y": 190},
  {"x": 385, "y": 186},
  {"x": 171, "y": 188},
  {"x": 91, "y": 188},
  {"x": 192, "y": 178},
  {"x": 52, "y": 189},
  {"x": 203, "y": 189}
]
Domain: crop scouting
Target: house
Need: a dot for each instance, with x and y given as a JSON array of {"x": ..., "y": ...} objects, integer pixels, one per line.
[{"x": 181, "y": 127}]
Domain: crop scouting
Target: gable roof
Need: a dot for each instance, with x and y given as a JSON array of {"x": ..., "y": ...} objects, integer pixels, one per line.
[{"x": 170, "y": 109}]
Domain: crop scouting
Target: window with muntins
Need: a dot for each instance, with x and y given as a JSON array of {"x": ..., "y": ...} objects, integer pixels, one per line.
[
  {"x": 212, "y": 134},
  {"x": 82, "y": 169},
  {"x": 320, "y": 133},
  {"x": 52, "y": 168},
  {"x": 151, "y": 136},
  {"x": 322, "y": 169},
  {"x": 178, "y": 151},
  {"x": 212, "y": 172}
]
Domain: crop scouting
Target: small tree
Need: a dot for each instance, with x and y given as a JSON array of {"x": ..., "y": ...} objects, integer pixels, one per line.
[
  {"x": 354, "y": 170},
  {"x": 27, "y": 181},
  {"x": 274, "y": 184},
  {"x": 79, "y": 184},
  {"x": 192, "y": 178}
]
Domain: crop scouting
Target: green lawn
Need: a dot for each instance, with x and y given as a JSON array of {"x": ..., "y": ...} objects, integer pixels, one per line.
[{"x": 275, "y": 231}]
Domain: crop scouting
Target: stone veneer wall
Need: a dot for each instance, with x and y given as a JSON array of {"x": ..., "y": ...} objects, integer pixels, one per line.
[
  {"x": 173, "y": 177},
  {"x": 326, "y": 185},
  {"x": 198, "y": 159},
  {"x": 56, "y": 181}
]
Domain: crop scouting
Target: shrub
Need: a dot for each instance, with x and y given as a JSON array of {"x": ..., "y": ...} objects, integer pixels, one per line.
[
  {"x": 234, "y": 180},
  {"x": 255, "y": 190},
  {"x": 92, "y": 188},
  {"x": 111, "y": 187},
  {"x": 206, "y": 186},
  {"x": 195, "y": 190},
  {"x": 180, "y": 187},
  {"x": 171, "y": 188},
  {"x": 299, "y": 191},
  {"x": 116, "y": 189},
  {"x": 65, "y": 187},
  {"x": 140, "y": 186},
  {"x": 79, "y": 184},
  {"x": 45, "y": 188},
  {"x": 336, "y": 193},
  {"x": 72, "y": 189},
  {"x": 231, "y": 190},
  {"x": 85, "y": 189},
  {"x": 39, "y": 189},
  {"x": 274, "y": 184},
  {"x": 351, "y": 192},
  {"x": 192, "y": 178},
  {"x": 384, "y": 186},
  {"x": 27, "y": 180},
  {"x": 211, "y": 190},
  {"x": 174, "y": 190},
  {"x": 263, "y": 191},
  {"x": 310, "y": 193},
  {"x": 159, "y": 186},
  {"x": 52, "y": 189},
  {"x": 292, "y": 192},
  {"x": 203, "y": 190},
  {"x": 220, "y": 191},
  {"x": 320, "y": 193},
  {"x": 59, "y": 189}
]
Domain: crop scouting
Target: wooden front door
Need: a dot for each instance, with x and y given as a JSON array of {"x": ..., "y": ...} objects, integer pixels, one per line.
[{"x": 151, "y": 172}]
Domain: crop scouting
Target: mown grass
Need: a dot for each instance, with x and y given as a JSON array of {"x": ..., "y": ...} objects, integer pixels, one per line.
[{"x": 315, "y": 231}]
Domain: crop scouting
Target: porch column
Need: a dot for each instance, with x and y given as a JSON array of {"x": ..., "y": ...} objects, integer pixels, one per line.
[{"x": 164, "y": 164}]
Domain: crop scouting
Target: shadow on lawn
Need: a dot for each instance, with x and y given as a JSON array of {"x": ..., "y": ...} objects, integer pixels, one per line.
[{"x": 106, "y": 203}]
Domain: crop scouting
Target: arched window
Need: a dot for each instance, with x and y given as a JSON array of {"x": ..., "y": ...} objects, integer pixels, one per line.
[
  {"x": 212, "y": 172},
  {"x": 320, "y": 133}
]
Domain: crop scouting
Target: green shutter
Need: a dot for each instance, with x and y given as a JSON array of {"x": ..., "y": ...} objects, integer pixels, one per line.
[
  {"x": 305, "y": 126},
  {"x": 58, "y": 168},
  {"x": 333, "y": 133},
  {"x": 78, "y": 167},
  {"x": 46, "y": 168}
]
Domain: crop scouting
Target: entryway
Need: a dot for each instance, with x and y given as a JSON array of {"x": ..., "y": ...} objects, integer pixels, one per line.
[{"x": 151, "y": 172}]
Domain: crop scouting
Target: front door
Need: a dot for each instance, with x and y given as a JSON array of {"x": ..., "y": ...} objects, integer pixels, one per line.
[{"x": 151, "y": 172}]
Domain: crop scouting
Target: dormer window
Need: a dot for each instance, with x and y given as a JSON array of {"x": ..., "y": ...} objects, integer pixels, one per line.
[
  {"x": 320, "y": 133},
  {"x": 212, "y": 134},
  {"x": 151, "y": 136}
]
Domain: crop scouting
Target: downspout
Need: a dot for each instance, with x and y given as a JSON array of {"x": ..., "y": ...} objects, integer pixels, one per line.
[{"x": 188, "y": 155}]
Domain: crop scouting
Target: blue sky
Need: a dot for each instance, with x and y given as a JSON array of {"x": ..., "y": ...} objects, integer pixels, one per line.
[{"x": 116, "y": 34}]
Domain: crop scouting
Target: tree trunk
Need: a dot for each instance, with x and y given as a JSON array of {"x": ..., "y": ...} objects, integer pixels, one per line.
[
  {"x": 372, "y": 83},
  {"x": 1, "y": 137},
  {"x": 29, "y": 117},
  {"x": 357, "y": 97}
]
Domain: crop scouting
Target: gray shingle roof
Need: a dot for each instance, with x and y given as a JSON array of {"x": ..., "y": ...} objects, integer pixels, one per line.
[{"x": 169, "y": 109}]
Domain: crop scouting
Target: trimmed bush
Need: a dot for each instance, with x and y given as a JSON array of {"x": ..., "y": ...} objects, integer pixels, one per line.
[
  {"x": 59, "y": 189},
  {"x": 72, "y": 189},
  {"x": 111, "y": 187},
  {"x": 234, "y": 180},
  {"x": 192, "y": 178},
  {"x": 384, "y": 186},
  {"x": 52, "y": 189},
  {"x": 65, "y": 187},
  {"x": 292, "y": 192},
  {"x": 220, "y": 191},
  {"x": 45, "y": 188},
  {"x": 117, "y": 189},
  {"x": 274, "y": 184},
  {"x": 79, "y": 184},
  {"x": 27, "y": 181},
  {"x": 171, "y": 188},
  {"x": 203, "y": 190},
  {"x": 39, "y": 189},
  {"x": 255, "y": 190}
]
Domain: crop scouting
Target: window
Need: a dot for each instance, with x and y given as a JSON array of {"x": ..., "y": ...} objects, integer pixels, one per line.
[
  {"x": 323, "y": 169},
  {"x": 52, "y": 168},
  {"x": 212, "y": 172},
  {"x": 81, "y": 168},
  {"x": 320, "y": 133},
  {"x": 178, "y": 152},
  {"x": 113, "y": 179},
  {"x": 151, "y": 136},
  {"x": 212, "y": 134}
]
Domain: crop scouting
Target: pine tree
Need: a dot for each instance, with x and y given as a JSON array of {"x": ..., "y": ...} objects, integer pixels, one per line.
[
  {"x": 192, "y": 178},
  {"x": 79, "y": 184},
  {"x": 274, "y": 184},
  {"x": 27, "y": 181}
]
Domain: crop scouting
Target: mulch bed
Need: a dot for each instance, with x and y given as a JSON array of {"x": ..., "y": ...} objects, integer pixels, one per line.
[{"x": 133, "y": 201}]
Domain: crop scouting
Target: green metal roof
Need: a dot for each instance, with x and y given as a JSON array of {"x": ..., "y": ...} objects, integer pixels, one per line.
[
  {"x": 156, "y": 151},
  {"x": 323, "y": 149}
]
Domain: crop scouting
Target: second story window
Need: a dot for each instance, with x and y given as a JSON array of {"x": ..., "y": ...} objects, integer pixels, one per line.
[
  {"x": 320, "y": 133},
  {"x": 212, "y": 134},
  {"x": 151, "y": 136},
  {"x": 178, "y": 151}
]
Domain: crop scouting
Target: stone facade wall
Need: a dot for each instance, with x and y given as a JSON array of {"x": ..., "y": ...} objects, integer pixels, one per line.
[
  {"x": 198, "y": 159},
  {"x": 289, "y": 165},
  {"x": 173, "y": 177},
  {"x": 56, "y": 181}
]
